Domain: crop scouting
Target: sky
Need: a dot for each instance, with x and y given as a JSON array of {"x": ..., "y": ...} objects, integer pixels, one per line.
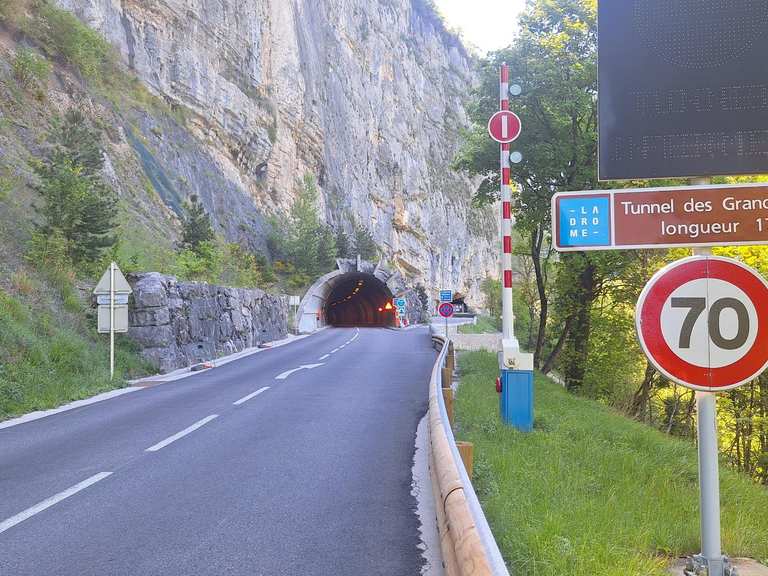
[{"x": 486, "y": 24}]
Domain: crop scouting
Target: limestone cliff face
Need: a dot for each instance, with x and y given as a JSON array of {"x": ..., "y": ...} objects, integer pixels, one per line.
[{"x": 367, "y": 95}]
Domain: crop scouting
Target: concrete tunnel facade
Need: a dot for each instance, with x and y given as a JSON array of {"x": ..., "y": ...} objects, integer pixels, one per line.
[{"x": 351, "y": 295}]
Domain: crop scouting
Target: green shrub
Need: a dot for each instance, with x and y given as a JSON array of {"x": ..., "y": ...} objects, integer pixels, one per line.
[
  {"x": 62, "y": 34},
  {"x": 244, "y": 269},
  {"x": 202, "y": 264},
  {"x": 30, "y": 69}
]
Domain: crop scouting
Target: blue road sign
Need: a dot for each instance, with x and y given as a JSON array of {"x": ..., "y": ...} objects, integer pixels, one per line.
[
  {"x": 446, "y": 295},
  {"x": 583, "y": 221},
  {"x": 400, "y": 302}
]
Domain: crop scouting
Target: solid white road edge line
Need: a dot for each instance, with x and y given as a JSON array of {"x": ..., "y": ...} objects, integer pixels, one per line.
[
  {"x": 55, "y": 499},
  {"x": 32, "y": 416},
  {"x": 252, "y": 395},
  {"x": 325, "y": 356},
  {"x": 181, "y": 434},
  {"x": 334, "y": 351}
]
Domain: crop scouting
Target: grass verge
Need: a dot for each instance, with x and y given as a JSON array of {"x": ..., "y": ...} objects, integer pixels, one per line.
[
  {"x": 590, "y": 491},
  {"x": 484, "y": 325},
  {"x": 45, "y": 363}
]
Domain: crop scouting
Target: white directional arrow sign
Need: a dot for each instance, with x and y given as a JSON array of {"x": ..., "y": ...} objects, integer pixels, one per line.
[{"x": 287, "y": 373}]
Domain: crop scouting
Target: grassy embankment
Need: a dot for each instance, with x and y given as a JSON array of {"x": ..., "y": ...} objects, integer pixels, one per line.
[
  {"x": 589, "y": 491},
  {"x": 46, "y": 362},
  {"x": 484, "y": 325}
]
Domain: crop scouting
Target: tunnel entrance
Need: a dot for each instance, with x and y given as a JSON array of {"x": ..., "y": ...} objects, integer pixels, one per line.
[{"x": 359, "y": 299}]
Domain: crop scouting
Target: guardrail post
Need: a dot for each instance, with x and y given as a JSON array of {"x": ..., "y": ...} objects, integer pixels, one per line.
[
  {"x": 448, "y": 398},
  {"x": 447, "y": 377},
  {"x": 466, "y": 450}
]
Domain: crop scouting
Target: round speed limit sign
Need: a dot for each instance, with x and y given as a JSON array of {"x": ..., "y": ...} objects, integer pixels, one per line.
[{"x": 703, "y": 322}]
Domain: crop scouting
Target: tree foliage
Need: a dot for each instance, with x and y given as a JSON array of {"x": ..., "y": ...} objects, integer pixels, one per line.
[
  {"x": 305, "y": 245},
  {"x": 584, "y": 302},
  {"x": 77, "y": 204},
  {"x": 196, "y": 228},
  {"x": 364, "y": 244}
]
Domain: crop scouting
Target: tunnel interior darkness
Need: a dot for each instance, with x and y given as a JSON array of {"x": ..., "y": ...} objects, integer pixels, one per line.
[{"x": 359, "y": 299}]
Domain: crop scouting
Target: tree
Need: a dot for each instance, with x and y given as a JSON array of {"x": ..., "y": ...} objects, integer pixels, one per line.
[
  {"x": 195, "y": 226},
  {"x": 364, "y": 243},
  {"x": 344, "y": 247},
  {"x": 554, "y": 60},
  {"x": 305, "y": 244},
  {"x": 77, "y": 204}
]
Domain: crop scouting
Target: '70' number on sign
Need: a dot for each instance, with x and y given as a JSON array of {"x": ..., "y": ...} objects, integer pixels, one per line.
[{"x": 709, "y": 323}]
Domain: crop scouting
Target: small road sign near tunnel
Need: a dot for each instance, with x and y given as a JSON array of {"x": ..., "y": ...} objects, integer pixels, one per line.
[
  {"x": 703, "y": 322},
  {"x": 504, "y": 126},
  {"x": 445, "y": 310}
]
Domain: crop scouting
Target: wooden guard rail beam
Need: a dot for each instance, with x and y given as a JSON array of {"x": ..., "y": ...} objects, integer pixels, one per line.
[{"x": 466, "y": 542}]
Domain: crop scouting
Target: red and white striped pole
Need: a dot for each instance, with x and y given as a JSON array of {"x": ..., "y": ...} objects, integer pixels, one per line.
[{"x": 507, "y": 318}]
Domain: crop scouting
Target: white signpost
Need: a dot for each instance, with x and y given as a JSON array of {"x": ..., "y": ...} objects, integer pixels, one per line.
[{"x": 112, "y": 293}]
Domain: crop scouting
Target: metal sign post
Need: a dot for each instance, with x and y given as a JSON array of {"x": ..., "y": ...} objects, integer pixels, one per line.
[
  {"x": 446, "y": 311},
  {"x": 516, "y": 404},
  {"x": 112, "y": 293},
  {"x": 112, "y": 321}
]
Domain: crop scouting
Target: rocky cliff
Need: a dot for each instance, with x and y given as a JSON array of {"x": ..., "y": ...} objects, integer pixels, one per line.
[
  {"x": 367, "y": 95},
  {"x": 177, "y": 324}
]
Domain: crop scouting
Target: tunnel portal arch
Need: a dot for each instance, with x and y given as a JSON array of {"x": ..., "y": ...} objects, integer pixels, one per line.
[{"x": 350, "y": 296}]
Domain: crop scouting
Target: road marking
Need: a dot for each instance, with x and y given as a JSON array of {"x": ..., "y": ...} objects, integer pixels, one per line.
[
  {"x": 181, "y": 434},
  {"x": 342, "y": 346},
  {"x": 324, "y": 356},
  {"x": 334, "y": 351},
  {"x": 55, "y": 499},
  {"x": 253, "y": 395},
  {"x": 287, "y": 373},
  {"x": 355, "y": 336}
]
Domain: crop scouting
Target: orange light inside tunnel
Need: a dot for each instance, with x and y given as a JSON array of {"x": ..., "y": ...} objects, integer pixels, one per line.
[
  {"x": 388, "y": 306},
  {"x": 381, "y": 309}
]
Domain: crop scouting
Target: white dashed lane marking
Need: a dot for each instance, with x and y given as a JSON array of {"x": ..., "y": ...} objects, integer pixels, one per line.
[
  {"x": 252, "y": 395},
  {"x": 53, "y": 500},
  {"x": 179, "y": 435}
]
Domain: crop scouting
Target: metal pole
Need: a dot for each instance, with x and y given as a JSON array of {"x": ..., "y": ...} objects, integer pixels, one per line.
[
  {"x": 507, "y": 314},
  {"x": 709, "y": 474},
  {"x": 112, "y": 321},
  {"x": 446, "y": 327},
  {"x": 709, "y": 482}
]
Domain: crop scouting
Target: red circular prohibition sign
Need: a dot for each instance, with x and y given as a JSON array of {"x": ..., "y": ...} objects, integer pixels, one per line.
[{"x": 649, "y": 331}]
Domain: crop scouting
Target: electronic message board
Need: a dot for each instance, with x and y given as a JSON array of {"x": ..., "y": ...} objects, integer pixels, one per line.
[{"x": 683, "y": 88}]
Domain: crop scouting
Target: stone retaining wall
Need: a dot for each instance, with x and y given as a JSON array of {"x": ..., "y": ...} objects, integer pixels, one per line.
[{"x": 178, "y": 324}]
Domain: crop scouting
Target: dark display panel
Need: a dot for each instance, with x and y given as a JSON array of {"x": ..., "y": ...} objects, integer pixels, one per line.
[{"x": 683, "y": 88}]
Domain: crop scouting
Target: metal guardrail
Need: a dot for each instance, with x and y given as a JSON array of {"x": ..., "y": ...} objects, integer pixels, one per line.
[{"x": 474, "y": 549}]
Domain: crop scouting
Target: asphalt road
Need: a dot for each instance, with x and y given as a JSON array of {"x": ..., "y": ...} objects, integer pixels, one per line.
[{"x": 251, "y": 468}]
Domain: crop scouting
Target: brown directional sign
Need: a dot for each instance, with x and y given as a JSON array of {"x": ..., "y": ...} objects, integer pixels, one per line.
[
  {"x": 660, "y": 217},
  {"x": 683, "y": 88}
]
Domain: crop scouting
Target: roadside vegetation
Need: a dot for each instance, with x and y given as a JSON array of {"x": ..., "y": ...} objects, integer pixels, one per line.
[
  {"x": 575, "y": 311},
  {"x": 50, "y": 358},
  {"x": 590, "y": 491},
  {"x": 483, "y": 325}
]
